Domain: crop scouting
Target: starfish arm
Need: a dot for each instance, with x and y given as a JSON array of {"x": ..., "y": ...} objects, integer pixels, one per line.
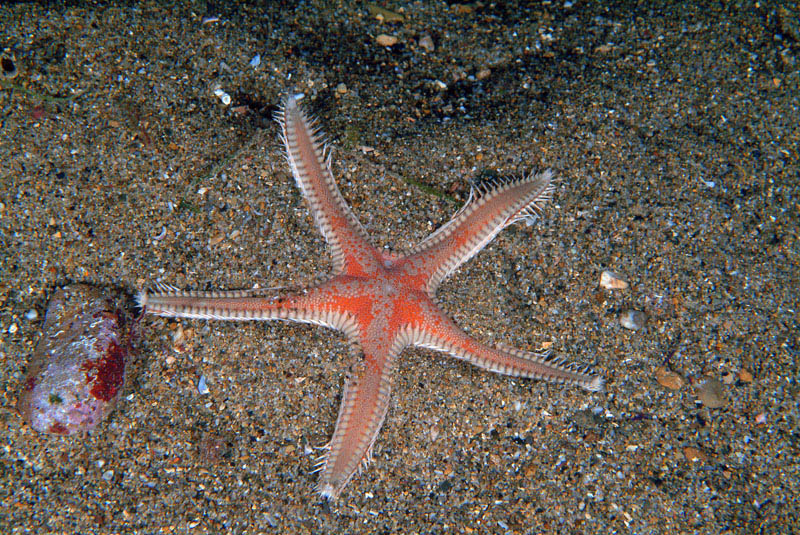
[
  {"x": 486, "y": 213},
  {"x": 365, "y": 402},
  {"x": 253, "y": 305},
  {"x": 440, "y": 333},
  {"x": 310, "y": 162}
]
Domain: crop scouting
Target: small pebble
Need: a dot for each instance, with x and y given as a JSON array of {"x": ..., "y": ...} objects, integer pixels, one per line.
[
  {"x": 224, "y": 97},
  {"x": 712, "y": 394},
  {"x": 256, "y": 61},
  {"x": 728, "y": 378},
  {"x": 632, "y": 319},
  {"x": 341, "y": 89},
  {"x": 386, "y": 40},
  {"x": 603, "y": 49},
  {"x": 694, "y": 454},
  {"x": 202, "y": 387},
  {"x": 612, "y": 281},
  {"x": 669, "y": 379},
  {"x": 426, "y": 42},
  {"x": 31, "y": 315},
  {"x": 12, "y": 329},
  {"x": 745, "y": 376}
]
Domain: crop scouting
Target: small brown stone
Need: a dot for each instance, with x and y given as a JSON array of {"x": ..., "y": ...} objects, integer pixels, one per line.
[
  {"x": 694, "y": 454},
  {"x": 386, "y": 40},
  {"x": 745, "y": 376},
  {"x": 669, "y": 379}
]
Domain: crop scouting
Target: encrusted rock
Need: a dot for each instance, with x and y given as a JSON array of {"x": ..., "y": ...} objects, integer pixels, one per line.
[{"x": 79, "y": 365}]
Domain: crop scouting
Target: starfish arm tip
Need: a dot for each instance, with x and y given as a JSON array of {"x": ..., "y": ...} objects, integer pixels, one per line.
[
  {"x": 141, "y": 299},
  {"x": 292, "y": 98},
  {"x": 327, "y": 492}
]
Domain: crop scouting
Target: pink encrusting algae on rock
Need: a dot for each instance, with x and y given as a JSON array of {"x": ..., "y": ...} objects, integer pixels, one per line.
[{"x": 78, "y": 368}]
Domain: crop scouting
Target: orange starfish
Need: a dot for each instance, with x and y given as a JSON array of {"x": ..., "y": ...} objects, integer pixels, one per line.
[{"x": 384, "y": 302}]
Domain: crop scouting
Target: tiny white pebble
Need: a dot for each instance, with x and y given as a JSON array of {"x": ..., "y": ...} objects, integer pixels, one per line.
[
  {"x": 202, "y": 387},
  {"x": 223, "y": 96},
  {"x": 31, "y": 315},
  {"x": 256, "y": 61},
  {"x": 108, "y": 475},
  {"x": 12, "y": 328}
]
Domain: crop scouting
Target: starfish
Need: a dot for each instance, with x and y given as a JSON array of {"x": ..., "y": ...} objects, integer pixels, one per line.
[{"x": 383, "y": 302}]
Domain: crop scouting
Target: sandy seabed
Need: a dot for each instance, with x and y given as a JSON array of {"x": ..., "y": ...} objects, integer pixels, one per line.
[{"x": 674, "y": 130}]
